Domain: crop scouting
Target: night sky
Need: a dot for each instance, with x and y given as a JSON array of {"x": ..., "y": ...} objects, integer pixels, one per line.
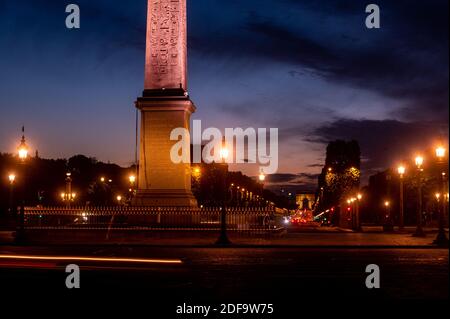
[{"x": 310, "y": 68}]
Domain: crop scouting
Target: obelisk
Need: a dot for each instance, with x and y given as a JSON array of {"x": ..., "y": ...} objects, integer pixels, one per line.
[{"x": 164, "y": 106}]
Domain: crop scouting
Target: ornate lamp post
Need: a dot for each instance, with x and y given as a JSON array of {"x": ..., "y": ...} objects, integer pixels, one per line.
[
  {"x": 262, "y": 179},
  {"x": 351, "y": 203},
  {"x": 441, "y": 238},
  {"x": 239, "y": 196},
  {"x": 401, "y": 223},
  {"x": 22, "y": 152},
  {"x": 388, "y": 224},
  {"x": 223, "y": 238},
  {"x": 23, "y": 148},
  {"x": 119, "y": 200},
  {"x": 68, "y": 189},
  {"x": 12, "y": 180},
  {"x": 419, "y": 230},
  {"x": 357, "y": 213},
  {"x": 132, "y": 190},
  {"x": 68, "y": 198}
]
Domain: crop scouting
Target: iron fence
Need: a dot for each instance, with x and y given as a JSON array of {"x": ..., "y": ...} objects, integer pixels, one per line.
[{"x": 255, "y": 219}]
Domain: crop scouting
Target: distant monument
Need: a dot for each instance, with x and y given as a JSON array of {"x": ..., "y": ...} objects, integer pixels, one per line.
[{"x": 165, "y": 105}]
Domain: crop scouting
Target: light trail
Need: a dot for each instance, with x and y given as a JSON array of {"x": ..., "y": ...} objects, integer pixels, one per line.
[{"x": 98, "y": 259}]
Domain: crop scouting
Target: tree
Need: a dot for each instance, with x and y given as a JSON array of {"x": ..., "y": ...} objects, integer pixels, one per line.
[{"x": 341, "y": 174}]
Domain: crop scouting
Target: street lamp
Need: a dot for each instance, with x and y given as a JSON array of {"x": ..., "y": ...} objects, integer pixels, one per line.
[
  {"x": 388, "y": 226},
  {"x": 262, "y": 177},
  {"x": 223, "y": 237},
  {"x": 440, "y": 152},
  {"x": 419, "y": 160},
  {"x": 12, "y": 179},
  {"x": 441, "y": 238},
  {"x": 68, "y": 198},
  {"x": 131, "y": 191},
  {"x": 22, "y": 152},
  {"x": 197, "y": 172},
  {"x": 224, "y": 153},
  {"x": 401, "y": 171},
  {"x": 357, "y": 200}
]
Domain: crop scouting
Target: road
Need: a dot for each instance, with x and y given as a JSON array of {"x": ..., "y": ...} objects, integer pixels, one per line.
[{"x": 282, "y": 276}]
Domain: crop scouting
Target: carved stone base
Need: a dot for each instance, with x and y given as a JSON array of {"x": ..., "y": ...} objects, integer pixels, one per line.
[{"x": 161, "y": 182}]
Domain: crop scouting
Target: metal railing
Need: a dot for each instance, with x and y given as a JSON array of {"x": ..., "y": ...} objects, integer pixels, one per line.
[{"x": 149, "y": 218}]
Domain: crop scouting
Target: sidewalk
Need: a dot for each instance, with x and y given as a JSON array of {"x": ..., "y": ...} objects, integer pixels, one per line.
[{"x": 326, "y": 238}]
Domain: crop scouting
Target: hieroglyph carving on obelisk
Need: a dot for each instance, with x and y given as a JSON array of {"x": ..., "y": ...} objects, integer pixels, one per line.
[{"x": 166, "y": 54}]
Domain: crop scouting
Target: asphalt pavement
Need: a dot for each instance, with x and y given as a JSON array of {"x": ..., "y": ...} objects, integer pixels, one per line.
[{"x": 219, "y": 274}]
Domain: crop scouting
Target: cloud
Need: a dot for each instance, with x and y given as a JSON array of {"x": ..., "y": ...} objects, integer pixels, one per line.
[
  {"x": 383, "y": 141},
  {"x": 407, "y": 59},
  {"x": 293, "y": 182}
]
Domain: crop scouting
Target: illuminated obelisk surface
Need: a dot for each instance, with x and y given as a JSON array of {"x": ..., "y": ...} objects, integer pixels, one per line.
[{"x": 164, "y": 106}]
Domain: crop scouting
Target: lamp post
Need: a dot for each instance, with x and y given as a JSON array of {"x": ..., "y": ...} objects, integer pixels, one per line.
[
  {"x": 262, "y": 179},
  {"x": 357, "y": 213},
  {"x": 119, "y": 200},
  {"x": 197, "y": 173},
  {"x": 419, "y": 230},
  {"x": 223, "y": 237},
  {"x": 68, "y": 189},
  {"x": 12, "y": 180},
  {"x": 388, "y": 224},
  {"x": 22, "y": 152},
  {"x": 68, "y": 198},
  {"x": 351, "y": 202},
  {"x": 401, "y": 222},
  {"x": 132, "y": 180},
  {"x": 441, "y": 239}
]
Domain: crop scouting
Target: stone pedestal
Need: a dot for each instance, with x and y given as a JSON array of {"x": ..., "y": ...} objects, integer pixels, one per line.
[{"x": 162, "y": 182}]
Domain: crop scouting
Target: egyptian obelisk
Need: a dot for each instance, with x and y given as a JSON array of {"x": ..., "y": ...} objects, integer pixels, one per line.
[{"x": 164, "y": 106}]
